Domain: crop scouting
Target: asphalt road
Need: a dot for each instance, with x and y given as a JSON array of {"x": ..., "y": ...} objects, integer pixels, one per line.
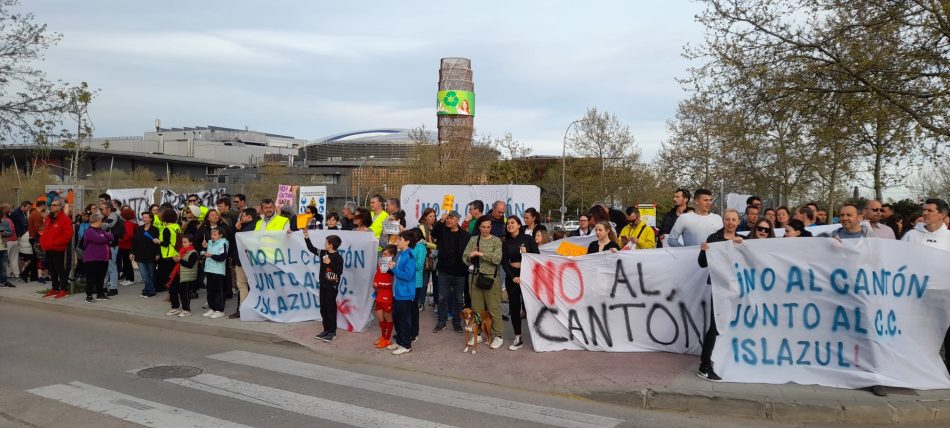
[{"x": 61, "y": 370}]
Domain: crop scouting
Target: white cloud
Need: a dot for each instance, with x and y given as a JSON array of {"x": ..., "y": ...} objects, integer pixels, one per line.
[
  {"x": 172, "y": 47},
  {"x": 339, "y": 46}
]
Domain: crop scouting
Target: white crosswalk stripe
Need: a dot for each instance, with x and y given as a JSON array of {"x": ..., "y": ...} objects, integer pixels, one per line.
[
  {"x": 298, "y": 403},
  {"x": 447, "y": 397},
  {"x": 148, "y": 413},
  {"x": 127, "y": 407}
]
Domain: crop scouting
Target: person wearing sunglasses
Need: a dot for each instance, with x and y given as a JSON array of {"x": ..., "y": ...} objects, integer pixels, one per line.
[
  {"x": 872, "y": 213},
  {"x": 763, "y": 229}
]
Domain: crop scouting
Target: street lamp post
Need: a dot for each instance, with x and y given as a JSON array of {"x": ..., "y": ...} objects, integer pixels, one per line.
[{"x": 564, "y": 172}]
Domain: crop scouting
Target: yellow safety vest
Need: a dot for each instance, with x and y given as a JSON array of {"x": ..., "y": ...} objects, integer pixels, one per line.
[
  {"x": 170, "y": 251},
  {"x": 377, "y": 226},
  {"x": 278, "y": 222},
  {"x": 203, "y": 211}
]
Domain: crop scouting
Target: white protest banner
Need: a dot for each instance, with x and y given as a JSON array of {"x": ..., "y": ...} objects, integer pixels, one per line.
[
  {"x": 138, "y": 199},
  {"x": 284, "y": 283},
  {"x": 737, "y": 201},
  {"x": 415, "y": 198},
  {"x": 313, "y": 196},
  {"x": 286, "y": 195},
  {"x": 630, "y": 301},
  {"x": 848, "y": 314},
  {"x": 208, "y": 198}
]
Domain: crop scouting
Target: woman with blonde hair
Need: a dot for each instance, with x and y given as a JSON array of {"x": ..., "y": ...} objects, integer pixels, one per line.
[{"x": 606, "y": 238}]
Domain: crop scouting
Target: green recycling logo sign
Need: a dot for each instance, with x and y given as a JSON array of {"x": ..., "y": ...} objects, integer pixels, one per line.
[
  {"x": 454, "y": 102},
  {"x": 451, "y": 99}
]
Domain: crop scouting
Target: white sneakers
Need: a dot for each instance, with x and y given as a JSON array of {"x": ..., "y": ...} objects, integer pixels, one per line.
[
  {"x": 516, "y": 344},
  {"x": 400, "y": 350},
  {"x": 208, "y": 314},
  {"x": 496, "y": 342},
  {"x": 184, "y": 314},
  {"x": 173, "y": 312},
  {"x": 216, "y": 315},
  {"x": 393, "y": 346},
  {"x": 125, "y": 283}
]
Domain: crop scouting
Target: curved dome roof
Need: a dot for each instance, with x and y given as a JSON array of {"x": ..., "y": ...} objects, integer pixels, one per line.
[{"x": 389, "y": 135}]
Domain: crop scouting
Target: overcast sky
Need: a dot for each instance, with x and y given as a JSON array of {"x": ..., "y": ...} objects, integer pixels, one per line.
[{"x": 311, "y": 69}]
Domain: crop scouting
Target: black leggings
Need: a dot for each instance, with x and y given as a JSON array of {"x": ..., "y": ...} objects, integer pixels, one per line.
[
  {"x": 95, "y": 276},
  {"x": 514, "y": 304},
  {"x": 709, "y": 339},
  {"x": 180, "y": 297},
  {"x": 946, "y": 349}
]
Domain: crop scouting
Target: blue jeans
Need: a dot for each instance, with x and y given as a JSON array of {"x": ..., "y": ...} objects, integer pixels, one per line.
[
  {"x": 147, "y": 272},
  {"x": 451, "y": 288},
  {"x": 3, "y": 266},
  {"x": 112, "y": 276}
]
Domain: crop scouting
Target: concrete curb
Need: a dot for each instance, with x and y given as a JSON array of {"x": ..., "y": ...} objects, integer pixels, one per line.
[
  {"x": 700, "y": 403},
  {"x": 925, "y": 411},
  {"x": 149, "y": 321}
]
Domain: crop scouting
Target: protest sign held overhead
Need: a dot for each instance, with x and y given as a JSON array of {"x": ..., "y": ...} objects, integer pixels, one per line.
[{"x": 312, "y": 196}]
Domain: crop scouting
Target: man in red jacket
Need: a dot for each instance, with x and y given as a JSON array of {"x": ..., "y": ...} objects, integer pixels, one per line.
[{"x": 57, "y": 232}]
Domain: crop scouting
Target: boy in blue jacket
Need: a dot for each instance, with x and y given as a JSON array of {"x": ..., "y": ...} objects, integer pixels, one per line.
[{"x": 404, "y": 291}]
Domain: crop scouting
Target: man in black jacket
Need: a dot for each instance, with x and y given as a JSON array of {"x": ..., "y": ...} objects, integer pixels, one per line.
[
  {"x": 680, "y": 202},
  {"x": 451, "y": 240}
]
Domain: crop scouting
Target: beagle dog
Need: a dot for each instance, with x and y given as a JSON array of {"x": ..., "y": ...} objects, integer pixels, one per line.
[{"x": 474, "y": 323}]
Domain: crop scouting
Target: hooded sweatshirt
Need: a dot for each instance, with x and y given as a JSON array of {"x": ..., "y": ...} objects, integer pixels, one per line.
[{"x": 939, "y": 239}]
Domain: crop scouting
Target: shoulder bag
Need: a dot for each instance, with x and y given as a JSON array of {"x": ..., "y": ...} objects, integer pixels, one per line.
[{"x": 483, "y": 281}]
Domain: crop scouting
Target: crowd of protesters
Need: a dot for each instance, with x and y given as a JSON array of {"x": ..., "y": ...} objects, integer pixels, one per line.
[{"x": 460, "y": 261}]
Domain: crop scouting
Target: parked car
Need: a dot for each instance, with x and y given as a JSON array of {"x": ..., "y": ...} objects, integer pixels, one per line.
[{"x": 571, "y": 225}]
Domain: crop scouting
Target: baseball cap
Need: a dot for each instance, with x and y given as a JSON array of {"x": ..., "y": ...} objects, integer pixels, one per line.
[{"x": 454, "y": 213}]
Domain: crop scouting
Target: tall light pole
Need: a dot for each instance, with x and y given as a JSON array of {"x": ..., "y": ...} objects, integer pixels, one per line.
[{"x": 564, "y": 172}]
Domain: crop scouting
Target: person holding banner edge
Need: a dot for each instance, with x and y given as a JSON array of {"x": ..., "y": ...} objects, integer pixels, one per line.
[
  {"x": 331, "y": 270},
  {"x": 515, "y": 244},
  {"x": 730, "y": 222},
  {"x": 247, "y": 219},
  {"x": 933, "y": 233},
  {"x": 606, "y": 239}
]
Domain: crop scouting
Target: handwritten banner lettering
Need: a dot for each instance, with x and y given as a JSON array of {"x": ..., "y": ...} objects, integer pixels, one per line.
[
  {"x": 848, "y": 314},
  {"x": 208, "y": 198},
  {"x": 138, "y": 199},
  {"x": 284, "y": 282},
  {"x": 617, "y": 302}
]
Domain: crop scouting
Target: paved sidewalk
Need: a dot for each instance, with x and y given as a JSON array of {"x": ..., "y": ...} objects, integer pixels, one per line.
[{"x": 647, "y": 380}]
